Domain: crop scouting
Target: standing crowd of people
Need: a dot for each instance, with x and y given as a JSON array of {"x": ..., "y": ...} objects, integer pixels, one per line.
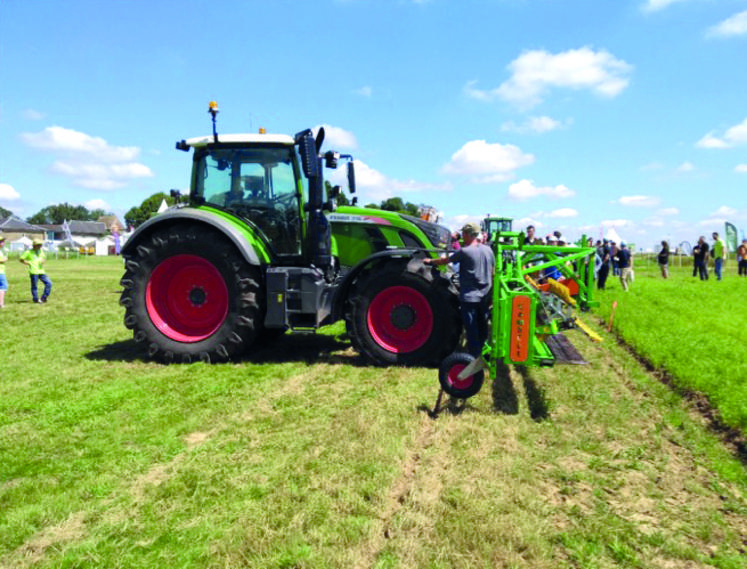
[
  {"x": 613, "y": 258},
  {"x": 702, "y": 252},
  {"x": 34, "y": 259}
]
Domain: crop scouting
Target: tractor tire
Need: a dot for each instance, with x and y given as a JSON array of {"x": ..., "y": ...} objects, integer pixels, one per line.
[
  {"x": 449, "y": 371},
  {"x": 189, "y": 295},
  {"x": 404, "y": 313}
]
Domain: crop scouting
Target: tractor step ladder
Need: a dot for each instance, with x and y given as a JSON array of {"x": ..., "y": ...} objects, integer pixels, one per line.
[{"x": 563, "y": 351}]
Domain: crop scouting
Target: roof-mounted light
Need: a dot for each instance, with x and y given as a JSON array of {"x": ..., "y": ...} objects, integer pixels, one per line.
[{"x": 213, "y": 110}]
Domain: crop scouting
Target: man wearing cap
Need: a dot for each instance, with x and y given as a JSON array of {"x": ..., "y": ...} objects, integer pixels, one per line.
[
  {"x": 34, "y": 259},
  {"x": 3, "y": 278},
  {"x": 476, "y": 268}
]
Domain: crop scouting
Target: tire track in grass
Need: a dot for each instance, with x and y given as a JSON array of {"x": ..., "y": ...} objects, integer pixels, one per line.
[{"x": 398, "y": 495}]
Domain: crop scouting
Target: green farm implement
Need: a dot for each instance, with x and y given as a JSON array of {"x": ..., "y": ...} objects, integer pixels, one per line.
[{"x": 528, "y": 311}]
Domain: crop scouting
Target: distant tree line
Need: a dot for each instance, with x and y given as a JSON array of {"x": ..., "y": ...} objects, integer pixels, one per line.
[{"x": 57, "y": 214}]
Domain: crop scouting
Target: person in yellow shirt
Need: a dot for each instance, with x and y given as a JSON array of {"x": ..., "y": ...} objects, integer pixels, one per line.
[
  {"x": 34, "y": 259},
  {"x": 3, "y": 278}
]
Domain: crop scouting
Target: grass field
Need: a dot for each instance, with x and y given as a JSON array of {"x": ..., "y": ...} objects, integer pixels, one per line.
[
  {"x": 692, "y": 329},
  {"x": 305, "y": 457}
]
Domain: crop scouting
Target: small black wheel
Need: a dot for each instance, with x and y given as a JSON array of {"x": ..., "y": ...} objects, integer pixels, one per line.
[{"x": 449, "y": 371}]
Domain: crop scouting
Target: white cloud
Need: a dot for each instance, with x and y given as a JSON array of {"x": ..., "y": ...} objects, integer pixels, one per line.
[
  {"x": 655, "y": 5},
  {"x": 526, "y": 221},
  {"x": 563, "y": 212},
  {"x": 617, "y": 223},
  {"x": 639, "y": 201},
  {"x": 741, "y": 168},
  {"x": 710, "y": 141},
  {"x": 724, "y": 210},
  {"x": 525, "y": 189},
  {"x": 654, "y": 222},
  {"x": 686, "y": 167},
  {"x": 364, "y": 91},
  {"x": 538, "y": 125},
  {"x": 736, "y": 25},
  {"x": 59, "y": 139},
  {"x": 33, "y": 115},
  {"x": 733, "y": 136},
  {"x": 534, "y": 73},
  {"x": 101, "y": 176},
  {"x": 669, "y": 211},
  {"x": 487, "y": 162},
  {"x": 8, "y": 193},
  {"x": 89, "y": 161},
  {"x": 652, "y": 166},
  {"x": 375, "y": 186},
  {"x": 337, "y": 138},
  {"x": 97, "y": 204}
]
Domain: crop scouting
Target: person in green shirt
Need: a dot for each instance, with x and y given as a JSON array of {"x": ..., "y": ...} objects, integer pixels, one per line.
[
  {"x": 3, "y": 278},
  {"x": 34, "y": 259},
  {"x": 719, "y": 254}
]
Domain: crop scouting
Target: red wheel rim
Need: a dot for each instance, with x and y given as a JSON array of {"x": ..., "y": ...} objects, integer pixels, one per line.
[
  {"x": 454, "y": 380},
  {"x": 400, "y": 319},
  {"x": 186, "y": 298}
]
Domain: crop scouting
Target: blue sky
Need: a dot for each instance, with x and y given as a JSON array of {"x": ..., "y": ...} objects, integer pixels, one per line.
[{"x": 578, "y": 115}]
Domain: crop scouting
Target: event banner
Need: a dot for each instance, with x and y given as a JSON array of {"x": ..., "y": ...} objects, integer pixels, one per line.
[{"x": 731, "y": 237}]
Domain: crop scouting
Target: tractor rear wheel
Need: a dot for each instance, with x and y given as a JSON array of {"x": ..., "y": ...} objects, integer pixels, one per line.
[
  {"x": 404, "y": 313},
  {"x": 448, "y": 376},
  {"x": 189, "y": 295}
]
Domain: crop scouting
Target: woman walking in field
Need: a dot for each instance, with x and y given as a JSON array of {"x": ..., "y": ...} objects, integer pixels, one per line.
[
  {"x": 663, "y": 259},
  {"x": 742, "y": 258}
]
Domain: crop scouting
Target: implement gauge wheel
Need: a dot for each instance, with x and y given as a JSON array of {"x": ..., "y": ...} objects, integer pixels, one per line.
[
  {"x": 189, "y": 295},
  {"x": 449, "y": 371},
  {"x": 404, "y": 313}
]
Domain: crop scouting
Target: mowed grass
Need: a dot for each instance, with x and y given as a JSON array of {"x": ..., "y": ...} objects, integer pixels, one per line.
[
  {"x": 694, "y": 330},
  {"x": 306, "y": 457}
]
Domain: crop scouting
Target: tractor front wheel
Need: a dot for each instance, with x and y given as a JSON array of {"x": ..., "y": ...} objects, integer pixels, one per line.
[{"x": 188, "y": 295}]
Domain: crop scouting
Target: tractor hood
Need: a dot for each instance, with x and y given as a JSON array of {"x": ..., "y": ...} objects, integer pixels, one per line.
[{"x": 438, "y": 235}]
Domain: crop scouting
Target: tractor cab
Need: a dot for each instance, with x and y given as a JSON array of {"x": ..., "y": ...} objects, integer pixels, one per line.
[
  {"x": 257, "y": 180},
  {"x": 493, "y": 225},
  {"x": 274, "y": 184}
]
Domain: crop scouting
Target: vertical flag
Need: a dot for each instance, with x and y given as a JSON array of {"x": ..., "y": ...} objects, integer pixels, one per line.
[
  {"x": 731, "y": 237},
  {"x": 66, "y": 229},
  {"x": 117, "y": 241}
]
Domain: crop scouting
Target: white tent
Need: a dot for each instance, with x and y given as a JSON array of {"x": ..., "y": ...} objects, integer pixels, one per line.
[
  {"x": 69, "y": 244},
  {"x": 21, "y": 244},
  {"x": 613, "y": 236},
  {"x": 103, "y": 244},
  {"x": 163, "y": 207}
]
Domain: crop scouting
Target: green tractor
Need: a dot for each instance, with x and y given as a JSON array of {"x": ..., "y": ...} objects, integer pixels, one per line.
[{"x": 259, "y": 249}]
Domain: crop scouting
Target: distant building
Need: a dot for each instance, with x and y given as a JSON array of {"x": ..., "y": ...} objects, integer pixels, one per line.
[
  {"x": 81, "y": 231},
  {"x": 13, "y": 228},
  {"x": 113, "y": 225}
]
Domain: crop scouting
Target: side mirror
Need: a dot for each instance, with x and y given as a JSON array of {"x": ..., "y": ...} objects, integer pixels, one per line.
[
  {"x": 351, "y": 177},
  {"x": 331, "y": 158}
]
